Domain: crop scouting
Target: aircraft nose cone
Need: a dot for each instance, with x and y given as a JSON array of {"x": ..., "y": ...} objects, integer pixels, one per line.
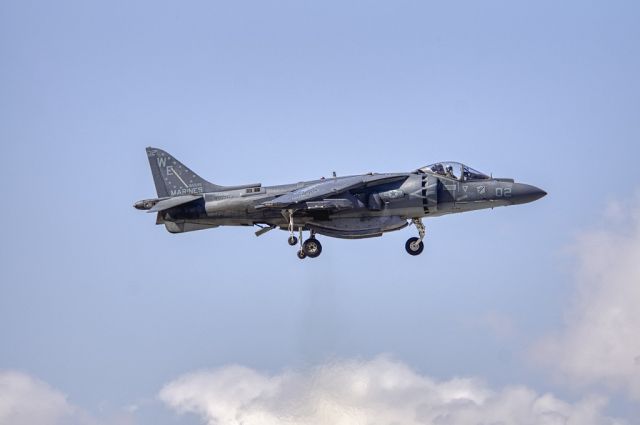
[{"x": 522, "y": 193}]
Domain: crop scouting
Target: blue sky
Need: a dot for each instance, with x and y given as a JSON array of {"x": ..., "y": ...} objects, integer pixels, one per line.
[{"x": 107, "y": 308}]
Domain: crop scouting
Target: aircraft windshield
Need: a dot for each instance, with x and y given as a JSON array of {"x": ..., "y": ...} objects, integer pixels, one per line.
[
  {"x": 454, "y": 170},
  {"x": 471, "y": 174}
]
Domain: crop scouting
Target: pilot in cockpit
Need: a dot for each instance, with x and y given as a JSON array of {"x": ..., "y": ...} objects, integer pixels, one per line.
[
  {"x": 449, "y": 173},
  {"x": 438, "y": 169}
]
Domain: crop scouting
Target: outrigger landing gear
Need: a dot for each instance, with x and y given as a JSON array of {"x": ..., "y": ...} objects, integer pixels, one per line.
[{"x": 414, "y": 246}]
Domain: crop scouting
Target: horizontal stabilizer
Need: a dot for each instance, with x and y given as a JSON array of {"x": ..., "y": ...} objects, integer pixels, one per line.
[{"x": 173, "y": 202}]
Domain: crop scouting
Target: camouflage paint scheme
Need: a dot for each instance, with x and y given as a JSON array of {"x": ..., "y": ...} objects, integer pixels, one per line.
[{"x": 349, "y": 207}]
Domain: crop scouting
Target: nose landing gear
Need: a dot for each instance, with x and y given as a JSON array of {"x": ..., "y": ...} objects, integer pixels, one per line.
[{"x": 414, "y": 246}]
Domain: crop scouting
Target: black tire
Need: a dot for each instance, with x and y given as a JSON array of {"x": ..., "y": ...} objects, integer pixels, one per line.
[
  {"x": 411, "y": 250},
  {"x": 292, "y": 240},
  {"x": 312, "y": 247},
  {"x": 301, "y": 254}
]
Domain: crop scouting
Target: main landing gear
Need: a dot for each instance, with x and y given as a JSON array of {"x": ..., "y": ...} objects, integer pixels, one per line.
[
  {"x": 414, "y": 246},
  {"x": 311, "y": 248},
  {"x": 292, "y": 239}
]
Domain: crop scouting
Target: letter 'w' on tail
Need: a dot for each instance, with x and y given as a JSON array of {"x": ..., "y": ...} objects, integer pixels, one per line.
[{"x": 173, "y": 178}]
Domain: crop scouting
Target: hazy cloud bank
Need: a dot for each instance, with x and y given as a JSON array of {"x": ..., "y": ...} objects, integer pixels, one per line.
[
  {"x": 26, "y": 400},
  {"x": 379, "y": 391},
  {"x": 600, "y": 342}
]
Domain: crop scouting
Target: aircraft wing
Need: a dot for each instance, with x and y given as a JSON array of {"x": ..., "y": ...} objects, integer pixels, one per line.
[{"x": 331, "y": 187}]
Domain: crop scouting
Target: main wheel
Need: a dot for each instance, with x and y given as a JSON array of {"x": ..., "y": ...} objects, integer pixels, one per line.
[
  {"x": 301, "y": 255},
  {"x": 312, "y": 247},
  {"x": 413, "y": 247},
  {"x": 292, "y": 240}
]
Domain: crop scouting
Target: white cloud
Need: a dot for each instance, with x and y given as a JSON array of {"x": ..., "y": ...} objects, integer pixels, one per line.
[
  {"x": 28, "y": 401},
  {"x": 379, "y": 391},
  {"x": 600, "y": 342},
  {"x": 25, "y": 400}
]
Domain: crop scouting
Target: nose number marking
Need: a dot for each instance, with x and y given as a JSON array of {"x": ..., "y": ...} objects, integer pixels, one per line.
[{"x": 503, "y": 192}]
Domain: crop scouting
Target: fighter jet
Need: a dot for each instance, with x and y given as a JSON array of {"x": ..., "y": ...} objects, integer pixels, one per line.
[{"x": 349, "y": 207}]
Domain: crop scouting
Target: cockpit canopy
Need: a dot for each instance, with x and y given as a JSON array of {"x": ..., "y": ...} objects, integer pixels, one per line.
[{"x": 453, "y": 170}]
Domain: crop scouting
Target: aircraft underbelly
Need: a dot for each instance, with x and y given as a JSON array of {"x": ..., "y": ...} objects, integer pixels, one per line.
[
  {"x": 358, "y": 228},
  {"x": 182, "y": 226}
]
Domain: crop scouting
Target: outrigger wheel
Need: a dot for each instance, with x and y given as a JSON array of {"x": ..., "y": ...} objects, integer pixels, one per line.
[
  {"x": 292, "y": 240},
  {"x": 312, "y": 247},
  {"x": 301, "y": 255}
]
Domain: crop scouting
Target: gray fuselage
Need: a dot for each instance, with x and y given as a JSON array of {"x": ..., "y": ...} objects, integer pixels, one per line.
[{"x": 358, "y": 213}]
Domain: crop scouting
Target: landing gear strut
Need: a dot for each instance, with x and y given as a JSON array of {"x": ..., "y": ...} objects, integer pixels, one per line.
[
  {"x": 414, "y": 246},
  {"x": 301, "y": 254},
  {"x": 292, "y": 239}
]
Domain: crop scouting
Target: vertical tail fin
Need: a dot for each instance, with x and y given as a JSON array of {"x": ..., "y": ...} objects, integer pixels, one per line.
[{"x": 173, "y": 178}]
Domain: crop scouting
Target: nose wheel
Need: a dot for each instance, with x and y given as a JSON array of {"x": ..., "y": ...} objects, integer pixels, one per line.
[{"x": 414, "y": 246}]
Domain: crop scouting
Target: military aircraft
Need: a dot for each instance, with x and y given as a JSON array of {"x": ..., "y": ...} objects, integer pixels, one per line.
[{"x": 349, "y": 207}]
